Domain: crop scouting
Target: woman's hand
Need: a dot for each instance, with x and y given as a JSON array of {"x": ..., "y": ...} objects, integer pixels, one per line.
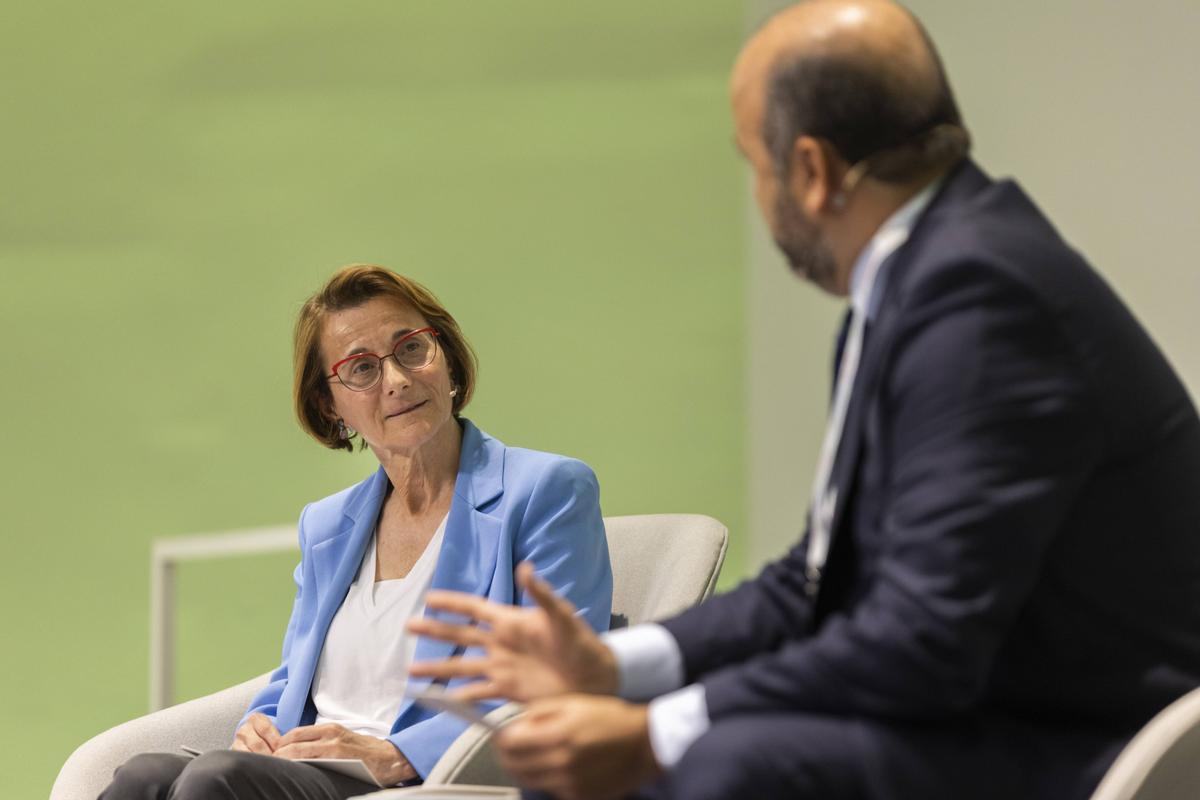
[
  {"x": 528, "y": 652},
  {"x": 382, "y": 758},
  {"x": 257, "y": 735}
]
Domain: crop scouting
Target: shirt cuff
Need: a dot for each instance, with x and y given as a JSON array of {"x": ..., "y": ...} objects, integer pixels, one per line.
[
  {"x": 649, "y": 662},
  {"x": 676, "y": 720}
]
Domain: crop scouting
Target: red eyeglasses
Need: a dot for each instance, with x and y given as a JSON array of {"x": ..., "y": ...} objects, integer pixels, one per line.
[{"x": 361, "y": 371}]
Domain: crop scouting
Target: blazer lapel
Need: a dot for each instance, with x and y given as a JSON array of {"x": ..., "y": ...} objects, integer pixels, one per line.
[
  {"x": 335, "y": 562},
  {"x": 467, "y": 561}
]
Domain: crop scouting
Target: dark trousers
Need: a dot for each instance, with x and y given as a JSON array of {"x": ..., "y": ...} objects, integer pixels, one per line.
[
  {"x": 227, "y": 775},
  {"x": 811, "y": 757}
]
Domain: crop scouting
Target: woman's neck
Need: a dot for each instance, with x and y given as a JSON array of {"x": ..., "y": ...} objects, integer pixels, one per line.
[{"x": 424, "y": 479}]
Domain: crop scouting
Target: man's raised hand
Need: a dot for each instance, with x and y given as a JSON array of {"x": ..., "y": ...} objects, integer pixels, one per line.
[{"x": 529, "y": 653}]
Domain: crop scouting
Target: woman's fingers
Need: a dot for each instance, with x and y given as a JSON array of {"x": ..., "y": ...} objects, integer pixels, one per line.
[
  {"x": 256, "y": 735},
  {"x": 265, "y": 729},
  {"x": 317, "y": 749},
  {"x": 251, "y": 743}
]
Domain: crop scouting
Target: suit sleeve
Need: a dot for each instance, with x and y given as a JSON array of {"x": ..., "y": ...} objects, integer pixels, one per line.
[
  {"x": 755, "y": 617},
  {"x": 267, "y": 700},
  {"x": 988, "y": 434}
]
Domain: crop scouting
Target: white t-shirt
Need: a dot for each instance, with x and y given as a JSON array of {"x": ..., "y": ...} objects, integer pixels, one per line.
[{"x": 360, "y": 679}]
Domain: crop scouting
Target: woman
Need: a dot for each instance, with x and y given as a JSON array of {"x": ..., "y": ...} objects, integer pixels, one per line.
[{"x": 378, "y": 359}]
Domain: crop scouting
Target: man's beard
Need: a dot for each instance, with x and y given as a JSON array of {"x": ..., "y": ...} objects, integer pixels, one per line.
[{"x": 800, "y": 242}]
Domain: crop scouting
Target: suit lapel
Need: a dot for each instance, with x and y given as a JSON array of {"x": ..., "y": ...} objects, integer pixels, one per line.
[
  {"x": 880, "y": 337},
  {"x": 866, "y": 382}
]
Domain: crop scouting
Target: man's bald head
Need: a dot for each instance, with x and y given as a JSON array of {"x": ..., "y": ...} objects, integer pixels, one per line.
[{"x": 859, "y": 74}]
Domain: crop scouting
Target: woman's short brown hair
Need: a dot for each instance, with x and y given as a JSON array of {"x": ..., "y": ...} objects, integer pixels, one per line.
[{"x": 350, "y": 287}]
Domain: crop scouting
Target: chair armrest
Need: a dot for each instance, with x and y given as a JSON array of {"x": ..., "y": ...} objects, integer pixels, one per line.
[
  {"x": 470, "y": 759},
  {"x": 206, "y": 723},
  {"x": 1162, "y": 761},
  {"x": 456, "y": 792}
]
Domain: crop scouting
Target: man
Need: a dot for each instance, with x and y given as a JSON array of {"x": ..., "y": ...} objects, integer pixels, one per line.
[{"x": 1000, "y": 582}]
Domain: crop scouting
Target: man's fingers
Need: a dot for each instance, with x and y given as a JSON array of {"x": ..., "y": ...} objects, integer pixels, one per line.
[
  {"x": 480, "y": 690},
  {"x": 527, "y": 737},
  {"x": 531, "y": 774},
  {"x": 528, "y": 759},
  {"x": 464, "y": 635},
  {"x": 460, "y": 603},
  {"x": 455, "y": 667},
  {"x": 560, "y": 610}
]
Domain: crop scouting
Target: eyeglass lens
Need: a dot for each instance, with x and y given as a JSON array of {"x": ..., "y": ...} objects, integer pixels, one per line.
[{"x": 415, "y": 351}]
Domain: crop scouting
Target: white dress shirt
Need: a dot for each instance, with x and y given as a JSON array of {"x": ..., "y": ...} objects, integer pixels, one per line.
[{"x": 649, "y": 662}]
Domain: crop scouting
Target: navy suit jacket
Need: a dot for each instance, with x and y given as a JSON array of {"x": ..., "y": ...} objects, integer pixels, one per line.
[
  {"x": 510, "y": 505},
  {"x": 1018, "y": 524}
]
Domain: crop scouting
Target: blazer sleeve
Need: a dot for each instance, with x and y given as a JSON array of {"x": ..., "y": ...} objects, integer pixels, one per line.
[
  {"x": 562, "y": 535},
  {"x": 424, "y": 742},
  {"x": 988, "y": 434},
  {"x": 267, "y": 700}
]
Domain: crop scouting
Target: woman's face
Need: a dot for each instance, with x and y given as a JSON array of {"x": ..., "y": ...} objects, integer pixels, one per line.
[{"x": 406, "y": 409}]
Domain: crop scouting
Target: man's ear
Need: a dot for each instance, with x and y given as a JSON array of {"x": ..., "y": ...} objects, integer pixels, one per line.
[{"x": 815, "y": 177}]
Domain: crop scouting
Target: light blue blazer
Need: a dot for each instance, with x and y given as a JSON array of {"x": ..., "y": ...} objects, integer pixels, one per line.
[{"x": 510, "y": 505}]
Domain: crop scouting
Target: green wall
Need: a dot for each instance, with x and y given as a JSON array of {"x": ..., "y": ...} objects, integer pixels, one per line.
[{"x": 176, "y": 179}]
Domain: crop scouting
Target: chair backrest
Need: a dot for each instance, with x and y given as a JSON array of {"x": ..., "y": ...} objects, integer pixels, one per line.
[
  {"x": 1163, "y": 760},
  {"x": 662, "y": 563}
]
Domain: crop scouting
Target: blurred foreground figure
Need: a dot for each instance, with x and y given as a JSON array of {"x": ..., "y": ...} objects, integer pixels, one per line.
[{"x": 1000, "y": 578}]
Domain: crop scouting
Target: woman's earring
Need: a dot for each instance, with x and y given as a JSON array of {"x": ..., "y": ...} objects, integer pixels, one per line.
[
  {"x": 454, "y": 391},
  {"x": 343, "y": 432}
]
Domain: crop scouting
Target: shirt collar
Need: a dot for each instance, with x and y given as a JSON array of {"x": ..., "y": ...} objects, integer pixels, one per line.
[{"x": 865, "y": 276}]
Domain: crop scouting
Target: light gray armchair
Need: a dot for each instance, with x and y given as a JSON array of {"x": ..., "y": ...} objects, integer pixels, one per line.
[
  {"x": 662, "y": 564},
  {"x": 1163, "y": 760}
]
